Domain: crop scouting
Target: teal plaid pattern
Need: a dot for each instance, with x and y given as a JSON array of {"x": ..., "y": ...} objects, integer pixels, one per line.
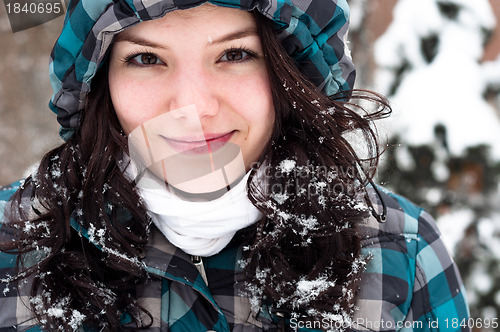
[
  {"x": 312, "y": 31},
  {"x": 411, "y": 281}
]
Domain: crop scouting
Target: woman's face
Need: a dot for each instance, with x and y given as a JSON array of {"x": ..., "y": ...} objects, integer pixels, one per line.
[{"x": 206, "y": 62}]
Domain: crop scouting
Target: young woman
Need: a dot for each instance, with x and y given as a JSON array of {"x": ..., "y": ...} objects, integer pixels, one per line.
[{"x": 208, "y": 182}]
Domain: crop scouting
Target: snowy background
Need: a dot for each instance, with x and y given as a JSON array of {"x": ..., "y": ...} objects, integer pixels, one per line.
[
  {"x": 27, "y": 126},
  {"x": 443, "y": 139}
]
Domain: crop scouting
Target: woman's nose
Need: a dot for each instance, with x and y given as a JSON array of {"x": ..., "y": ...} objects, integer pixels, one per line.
[{"x": 194, "y": 86}]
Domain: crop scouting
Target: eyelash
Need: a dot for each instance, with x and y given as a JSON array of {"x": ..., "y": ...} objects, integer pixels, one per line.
[
  {"x": 129, "y": 59},
  {"x": 251, "y": 55}
]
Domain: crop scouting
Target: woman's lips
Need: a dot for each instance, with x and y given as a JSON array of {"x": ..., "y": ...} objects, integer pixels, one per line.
[{"x": 196, "y": 145}]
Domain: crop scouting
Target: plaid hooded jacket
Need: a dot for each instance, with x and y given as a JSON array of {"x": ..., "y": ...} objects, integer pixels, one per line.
[{"x": 411, "y": 282}]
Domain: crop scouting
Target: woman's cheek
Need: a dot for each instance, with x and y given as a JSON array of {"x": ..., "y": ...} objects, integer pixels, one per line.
[{"x": 135, "y": 102}]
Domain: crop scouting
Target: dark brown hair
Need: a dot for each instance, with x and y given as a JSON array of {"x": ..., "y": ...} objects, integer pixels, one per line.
[{"x": 303, "y": 237}]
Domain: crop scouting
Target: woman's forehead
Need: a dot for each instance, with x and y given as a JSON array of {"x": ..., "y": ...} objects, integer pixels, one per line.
[{"x": 204, "y": 15}]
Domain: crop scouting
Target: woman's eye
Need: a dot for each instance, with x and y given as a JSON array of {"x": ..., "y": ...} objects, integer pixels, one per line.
[
  {"x": 236, "y": 55},
  {"x": 146, "y": 59}
]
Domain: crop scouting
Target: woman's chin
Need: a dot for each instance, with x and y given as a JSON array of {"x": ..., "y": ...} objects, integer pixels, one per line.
[{"x": 202, "y": 173}]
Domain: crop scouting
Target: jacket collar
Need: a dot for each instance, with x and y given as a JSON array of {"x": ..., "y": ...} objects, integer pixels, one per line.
[{"x": 162, "y": 259}]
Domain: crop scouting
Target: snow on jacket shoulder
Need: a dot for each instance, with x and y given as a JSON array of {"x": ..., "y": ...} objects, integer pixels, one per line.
[{"x": 411, "y": 283}]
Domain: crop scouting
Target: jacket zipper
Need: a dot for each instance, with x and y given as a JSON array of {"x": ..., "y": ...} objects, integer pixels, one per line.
[
  {"x": 198, "y": 262},
  {"x": 281, "y": 323}
]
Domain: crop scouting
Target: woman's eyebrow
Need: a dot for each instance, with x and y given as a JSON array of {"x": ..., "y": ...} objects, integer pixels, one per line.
[
  {"x": 250, "y": 31},
  {"x": 125, "y": 37}
]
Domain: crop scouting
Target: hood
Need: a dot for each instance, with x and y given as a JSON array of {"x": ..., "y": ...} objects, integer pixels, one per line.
[{"x": 312, "y": 31}]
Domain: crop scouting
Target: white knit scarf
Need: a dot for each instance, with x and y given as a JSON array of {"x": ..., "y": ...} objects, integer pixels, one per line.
[{"x": 199, "y": 228}]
